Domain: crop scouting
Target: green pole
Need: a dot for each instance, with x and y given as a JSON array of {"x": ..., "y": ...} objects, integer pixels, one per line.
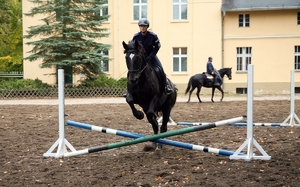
[{"x": 150, "y": 138}]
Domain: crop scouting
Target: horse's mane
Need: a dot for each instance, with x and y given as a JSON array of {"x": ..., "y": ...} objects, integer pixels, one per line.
[
  {"x": 132, "y": 47},
  {"x": 222, "y": 69}
]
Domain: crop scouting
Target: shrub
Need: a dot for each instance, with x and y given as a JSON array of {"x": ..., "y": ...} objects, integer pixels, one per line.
[
  {"x": 22, "y": 84},
  {"x": 99, "y": 81},
  {"x": 103, "y": 81}
]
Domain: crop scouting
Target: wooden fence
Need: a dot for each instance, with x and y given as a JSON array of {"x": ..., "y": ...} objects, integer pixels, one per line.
[{"x": 13, "y": 74}]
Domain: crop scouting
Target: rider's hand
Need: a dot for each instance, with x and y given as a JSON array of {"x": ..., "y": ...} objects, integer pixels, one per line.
[{"x": 149, "y": 59}]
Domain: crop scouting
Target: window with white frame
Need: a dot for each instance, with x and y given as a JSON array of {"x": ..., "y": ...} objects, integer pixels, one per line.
[
  {"x": 179, "y": 9},
  {"x": 243, "y": 58},
  {"x": 297, "y": 58},
  {"x": 244, "y": 20},
  {"x": 104, "y": 9},
  {"x": 179, "y": 59},
  {"x": 102, "y": 12},
  {"x": 298, "y": 18},
  {"x": 140, "y": 8},
  {"x": 105, "y": 62}
]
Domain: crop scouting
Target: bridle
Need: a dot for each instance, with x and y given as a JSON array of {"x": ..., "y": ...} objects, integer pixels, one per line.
[
  {"x": 228, "y": 74},
  {"x": 140, "y": 69}
]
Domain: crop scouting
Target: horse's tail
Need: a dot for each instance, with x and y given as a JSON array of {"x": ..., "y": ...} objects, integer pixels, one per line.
[{"x": 189, "y": 85}]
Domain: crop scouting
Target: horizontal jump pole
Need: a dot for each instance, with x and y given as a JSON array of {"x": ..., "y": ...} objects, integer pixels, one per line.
[
  {"x": 161, "y": 141},
  {"x": 156, "y": 137},
  {"x": 236, "y": 124},
  {"x": 261, "y": 124}
]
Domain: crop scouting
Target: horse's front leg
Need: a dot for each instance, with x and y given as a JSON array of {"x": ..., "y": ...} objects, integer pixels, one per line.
[
  {"x": 221, "y": 90},
  {"x": 151, "y": 116},
  {"x": 136, "y": 113},
  {"x": 212, "y": 94},
  {"x": 198, "y": 94},
  {"x": 164, "y": 125}
]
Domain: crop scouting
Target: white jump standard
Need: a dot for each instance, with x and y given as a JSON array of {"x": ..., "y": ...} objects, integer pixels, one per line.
[
  {"x": 292, "y": 117},
  {"x": 62, "y": 144},
  {"x": 250, "y": 142}
]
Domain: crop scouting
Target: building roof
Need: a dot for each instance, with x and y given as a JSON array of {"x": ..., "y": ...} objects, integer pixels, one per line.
[{"x": 252, "y": 5}]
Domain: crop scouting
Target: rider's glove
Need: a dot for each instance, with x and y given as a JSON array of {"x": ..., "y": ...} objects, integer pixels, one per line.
[{"x": 149, "y": 59}]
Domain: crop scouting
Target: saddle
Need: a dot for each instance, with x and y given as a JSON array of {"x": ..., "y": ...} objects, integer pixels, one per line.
[
  {"x": 159, "y": 73},
  {"x": 208, "y": 76}
]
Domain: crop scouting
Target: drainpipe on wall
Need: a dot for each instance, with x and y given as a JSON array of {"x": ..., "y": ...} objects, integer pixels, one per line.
[{"x": 223, "y": 16}]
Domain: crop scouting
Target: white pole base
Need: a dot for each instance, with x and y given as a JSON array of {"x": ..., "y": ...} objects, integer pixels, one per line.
[
  {"x": 62, "y": 147},
  {"x": 292, "y": 118},
  {"x": 250, "y": 155}
]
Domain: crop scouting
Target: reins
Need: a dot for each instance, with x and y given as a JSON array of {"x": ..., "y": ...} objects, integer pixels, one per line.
[{"x": 140, "y": 70}]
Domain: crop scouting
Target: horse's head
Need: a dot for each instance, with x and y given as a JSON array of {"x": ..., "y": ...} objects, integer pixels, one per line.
[
  {"x": 135, "y": 60},
  {"x": 226, "y": 71}
]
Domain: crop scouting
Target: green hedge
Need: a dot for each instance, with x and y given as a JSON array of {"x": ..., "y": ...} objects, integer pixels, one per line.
[
  {"x": 104, "y": 81},
  {"x": 99, "y": 81},
  {"x": 22, "y": 83}
]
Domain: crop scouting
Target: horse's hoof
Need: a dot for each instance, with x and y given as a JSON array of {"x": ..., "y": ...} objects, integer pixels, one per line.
[
  {"x": 148, "y": 148},
  {"x": 139, "y": 115},
  {"x": 159, "y": 147}
]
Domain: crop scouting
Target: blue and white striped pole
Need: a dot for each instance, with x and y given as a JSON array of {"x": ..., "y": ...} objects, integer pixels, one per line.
[
  {"x": 262, "y": 124},
  {"x": 236, "y": 124},
  {"x": 139, "y": 136}
]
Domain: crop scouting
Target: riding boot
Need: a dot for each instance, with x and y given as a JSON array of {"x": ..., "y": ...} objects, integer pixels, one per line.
[
  {"x": 215, "y": 82},
  {"x": 167, "y": 87}
]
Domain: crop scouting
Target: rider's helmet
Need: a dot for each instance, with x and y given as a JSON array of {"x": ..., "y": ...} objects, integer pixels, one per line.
[
  {"x": 209, "y": 57},
  {"x": 144, "y": 21}
]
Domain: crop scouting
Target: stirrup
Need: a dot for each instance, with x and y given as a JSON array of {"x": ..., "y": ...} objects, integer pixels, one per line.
[{"x": 168, "y": 90}]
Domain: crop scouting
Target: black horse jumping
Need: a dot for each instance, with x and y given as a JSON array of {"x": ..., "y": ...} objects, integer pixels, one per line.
[
  {"x": 145, "y": 89},
  {"x": 199, "y": 80}
]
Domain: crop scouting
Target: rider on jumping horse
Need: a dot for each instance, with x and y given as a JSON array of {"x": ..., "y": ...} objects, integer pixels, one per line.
[{"x": 151, "y": 44}]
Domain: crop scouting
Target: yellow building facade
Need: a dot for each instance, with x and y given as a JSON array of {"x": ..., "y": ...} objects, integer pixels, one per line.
[
  {"x": 272, "y": 37},
  {"x": 192, "y": 30}
]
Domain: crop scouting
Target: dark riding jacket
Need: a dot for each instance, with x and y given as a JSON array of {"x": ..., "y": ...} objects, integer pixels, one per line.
[
  {"x": 151, "y": 45},
  {"x": 209, "y": 67},
  {"x": 150, "y": 42}
]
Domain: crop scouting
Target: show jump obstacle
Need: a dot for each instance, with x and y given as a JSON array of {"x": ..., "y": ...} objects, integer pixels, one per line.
[
  {"x": 142, "y": 138},
  {"x": 63, "y": 146}
]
